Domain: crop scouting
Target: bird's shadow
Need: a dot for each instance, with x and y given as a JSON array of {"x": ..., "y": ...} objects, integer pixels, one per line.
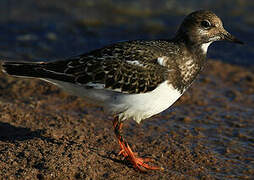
[
  {"x": 11, "y": 133},
  {"x": 113, "y": 157}
]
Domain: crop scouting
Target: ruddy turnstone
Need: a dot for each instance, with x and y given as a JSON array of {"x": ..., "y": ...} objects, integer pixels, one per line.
[{"x": 134, "y": 79}]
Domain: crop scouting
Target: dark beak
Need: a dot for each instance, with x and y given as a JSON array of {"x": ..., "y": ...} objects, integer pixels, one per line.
[{"x": 228, "y": 37}]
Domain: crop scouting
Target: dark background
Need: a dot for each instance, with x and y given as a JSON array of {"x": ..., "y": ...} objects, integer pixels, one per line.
[{"x": 55, "y": 28}]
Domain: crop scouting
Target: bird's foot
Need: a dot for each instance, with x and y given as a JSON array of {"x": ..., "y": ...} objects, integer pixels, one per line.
[{"x": 137, "y": 162}]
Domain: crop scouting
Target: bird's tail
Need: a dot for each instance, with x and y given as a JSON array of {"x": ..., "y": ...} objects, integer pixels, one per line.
[
  {"x": 43, "y": 70},
  {"x": 23, "y": 69}
]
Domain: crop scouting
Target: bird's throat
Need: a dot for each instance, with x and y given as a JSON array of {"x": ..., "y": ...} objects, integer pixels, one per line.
[{"x": 204, "y": 47}]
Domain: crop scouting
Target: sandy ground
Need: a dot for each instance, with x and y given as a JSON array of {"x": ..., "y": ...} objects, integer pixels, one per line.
[{"x": 207, "y": 134}]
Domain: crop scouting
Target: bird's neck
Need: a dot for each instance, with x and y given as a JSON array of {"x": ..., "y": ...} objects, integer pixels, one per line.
[
  {"x": 195, "y": 47},
  {"x": 196, "y": 52},
  {"x": 191, "y": 62}
]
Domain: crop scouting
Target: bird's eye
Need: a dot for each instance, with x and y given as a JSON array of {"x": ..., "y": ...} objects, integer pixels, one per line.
[{"x": 205, "y": 24}]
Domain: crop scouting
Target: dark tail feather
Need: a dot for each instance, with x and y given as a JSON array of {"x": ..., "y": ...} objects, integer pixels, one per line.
[
  {"x": 26, "y": 69},
  {"x": 37, "y": 70}
]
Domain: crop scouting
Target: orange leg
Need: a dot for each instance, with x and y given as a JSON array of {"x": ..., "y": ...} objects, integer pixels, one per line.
[{"x": 138, "y": 163}]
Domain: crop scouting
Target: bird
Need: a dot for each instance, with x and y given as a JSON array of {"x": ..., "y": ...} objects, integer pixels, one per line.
[{"x": 133, "y": 79}]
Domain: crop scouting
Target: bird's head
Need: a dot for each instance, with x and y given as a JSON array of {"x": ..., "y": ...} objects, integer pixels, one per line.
[{"x": 204, "y": 27}]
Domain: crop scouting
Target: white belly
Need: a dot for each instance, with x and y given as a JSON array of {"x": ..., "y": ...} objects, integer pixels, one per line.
[
  {"x": 127, "y": 106},
  {"x": 142, "y": 106}
]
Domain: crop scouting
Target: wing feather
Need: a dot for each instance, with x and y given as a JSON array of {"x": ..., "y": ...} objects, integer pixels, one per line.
[{"x": 125, "y": 68}]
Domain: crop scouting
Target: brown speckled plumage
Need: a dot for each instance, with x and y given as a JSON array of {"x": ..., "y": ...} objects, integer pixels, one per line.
[
  {"x": 134, "y": 79},
  {"x": 112, "y": 66}
]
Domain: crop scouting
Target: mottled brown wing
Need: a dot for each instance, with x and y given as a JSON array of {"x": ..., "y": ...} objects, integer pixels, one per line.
[
  {"x": 111, "y": 74},
  {"x": 124, "y": 67},
  {"x": 117, "y": 75}
]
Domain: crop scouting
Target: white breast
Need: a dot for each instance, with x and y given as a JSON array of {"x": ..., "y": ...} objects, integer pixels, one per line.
[
  {"x": 127, "y": 106},
  {"x": 142, "y": 106}
]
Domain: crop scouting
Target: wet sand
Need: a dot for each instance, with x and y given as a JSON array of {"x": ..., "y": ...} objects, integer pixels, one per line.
[{"x": 207, "y": 134}]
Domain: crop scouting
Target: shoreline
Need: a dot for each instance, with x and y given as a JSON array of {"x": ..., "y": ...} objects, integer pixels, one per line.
[{"x": 208, "y": 133}]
